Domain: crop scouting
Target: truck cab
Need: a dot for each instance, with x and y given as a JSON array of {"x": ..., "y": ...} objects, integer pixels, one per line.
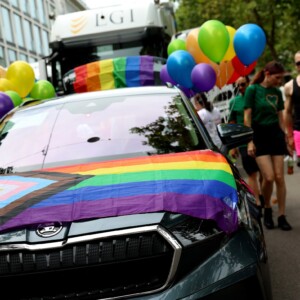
[{"x": 117, "y": 29}]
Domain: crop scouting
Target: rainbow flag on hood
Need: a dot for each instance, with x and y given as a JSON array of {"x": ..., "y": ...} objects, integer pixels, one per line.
[
  {"x": 131, "y": 71},
  {"x": 196, "y": 183}
]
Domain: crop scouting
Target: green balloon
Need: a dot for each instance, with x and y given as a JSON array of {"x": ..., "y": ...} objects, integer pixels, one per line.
[
  {"x": 15, "y": 97},
  {"x": 177, "y": 44},
  {"x": 42, "y": 89},
  {"x": 214, "y": 39}
]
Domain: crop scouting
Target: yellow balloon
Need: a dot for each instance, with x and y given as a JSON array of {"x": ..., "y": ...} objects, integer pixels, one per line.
[
  {"x": 6, "y": 85},
  {"x": 21, "y": 75},
  {"x": 230, "y": 53}
]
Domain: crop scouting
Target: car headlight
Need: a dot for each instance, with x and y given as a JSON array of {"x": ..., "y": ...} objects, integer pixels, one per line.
[{"x": 199, "y": 238}]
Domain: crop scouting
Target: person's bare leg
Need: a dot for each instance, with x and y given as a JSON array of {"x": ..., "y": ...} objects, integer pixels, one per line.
[
  {"x": 253, "y": 183},
  {"x": 265, "y": 165},
  {"x": 278, "y": 163}
]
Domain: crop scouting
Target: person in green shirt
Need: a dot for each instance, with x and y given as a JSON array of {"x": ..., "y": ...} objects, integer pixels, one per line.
[
  {"x": 264, "y": 113},
  {"x": 236, "y": 115}
]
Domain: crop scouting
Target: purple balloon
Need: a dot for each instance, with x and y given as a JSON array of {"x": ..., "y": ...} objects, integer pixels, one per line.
[
  {"x": 203, "y": 77},
  {"x": 5, "y": 104},
  {"x": 188, "y": 92},
  {"x": 165, "y": 77}
]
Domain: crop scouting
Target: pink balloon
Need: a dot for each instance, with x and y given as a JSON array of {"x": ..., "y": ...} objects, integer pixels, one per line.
[{"x": 203, "y": 77}]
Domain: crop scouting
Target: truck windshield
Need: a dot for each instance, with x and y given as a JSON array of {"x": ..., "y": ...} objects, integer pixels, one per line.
[
  {"x": 74, "y": 57},
  {"x": 69, "y": 57}
]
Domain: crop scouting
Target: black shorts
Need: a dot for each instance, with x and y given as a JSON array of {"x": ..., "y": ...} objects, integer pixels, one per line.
[
  {"x": 249, "y": 163},
  {"x": 269, "y": 140}
]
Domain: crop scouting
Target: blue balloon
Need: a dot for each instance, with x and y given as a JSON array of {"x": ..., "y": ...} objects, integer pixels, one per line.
[
  {"x": 249, "y": 43},
  {"x": 180, "y": 65}
]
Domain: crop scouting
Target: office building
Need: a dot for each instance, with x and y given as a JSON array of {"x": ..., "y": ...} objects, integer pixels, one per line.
[{"x": 25, "y": 27}]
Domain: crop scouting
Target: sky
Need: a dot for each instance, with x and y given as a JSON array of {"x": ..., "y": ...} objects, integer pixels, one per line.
[
  {"x": 91, "y": 3},
  {"x": 95, "y": 3}
]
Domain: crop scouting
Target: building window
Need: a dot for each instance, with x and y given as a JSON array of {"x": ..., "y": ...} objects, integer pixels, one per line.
[
  {"x": 14, "y": 3},
  {"x": 37, "y": 40},
  {"x": 2, "y": 57},
  {"x": 23, "y": 6},
  {"x": 32, "y": 9},
  {"x": 23, "y": 57},
  {"x": 7, "y": 26},
  {"x": 31, "y": 60},
  {"x": 41, "y": 12},
  {"x": 19, "y": 32},
  {"x": 12, "y": 56},
  {"x": 28, "y": 35},
  {"x": 45, "y": 42}
]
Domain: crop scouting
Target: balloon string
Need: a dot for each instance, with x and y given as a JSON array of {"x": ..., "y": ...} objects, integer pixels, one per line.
[
  {"x": 219, "y": 73},
  {"x": 226, "y": 70}
]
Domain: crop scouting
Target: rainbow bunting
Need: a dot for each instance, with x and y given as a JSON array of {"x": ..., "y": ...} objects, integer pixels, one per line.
[
  {"x": 196, "y": 183},
  {"x": 115, "y": 73}
]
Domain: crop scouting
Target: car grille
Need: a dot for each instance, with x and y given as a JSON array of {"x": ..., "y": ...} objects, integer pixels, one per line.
[{"x": 138, "y": 261}]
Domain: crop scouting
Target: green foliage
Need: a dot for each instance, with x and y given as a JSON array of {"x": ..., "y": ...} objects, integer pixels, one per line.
[{"x": 280, "y": 20}]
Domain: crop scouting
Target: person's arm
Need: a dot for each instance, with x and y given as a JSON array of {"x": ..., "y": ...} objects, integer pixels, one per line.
[
  {"x": 286, "y": 119},
  {"x": 288, "y": 109},
  {"x": 247, "y": 122},
  {"x": 248, "y": 117},
  {"x": 232, "y": 115},
  {"x": 249, "y": 97}
]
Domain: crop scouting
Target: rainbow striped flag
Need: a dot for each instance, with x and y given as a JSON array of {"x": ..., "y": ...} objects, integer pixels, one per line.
[
  {"x": 195, "y": 183},
  {"x": 115, "y": 73}
]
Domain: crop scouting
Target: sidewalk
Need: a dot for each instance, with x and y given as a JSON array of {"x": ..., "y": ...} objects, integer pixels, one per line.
[{"x": 283, "y": 246}]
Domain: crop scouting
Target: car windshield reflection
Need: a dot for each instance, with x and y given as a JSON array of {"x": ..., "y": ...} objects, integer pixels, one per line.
[{"x": 95, "y": 130}]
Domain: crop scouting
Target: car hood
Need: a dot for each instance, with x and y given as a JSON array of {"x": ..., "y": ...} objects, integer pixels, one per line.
[{"x": 195, "y": 183}]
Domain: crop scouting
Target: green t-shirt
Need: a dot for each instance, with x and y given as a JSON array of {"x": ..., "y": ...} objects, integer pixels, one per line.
[
  {"x": 265, "y": 104},
  {"x": 236, "y": 109}
]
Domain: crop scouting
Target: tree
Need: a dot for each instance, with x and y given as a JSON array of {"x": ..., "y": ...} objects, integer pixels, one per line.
[{"x": 280, "y": 20}]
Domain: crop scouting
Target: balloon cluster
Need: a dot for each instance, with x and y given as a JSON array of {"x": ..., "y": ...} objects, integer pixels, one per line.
[
  {"x": 213, "y": 55},
  {"x": 18, "y": 83}
]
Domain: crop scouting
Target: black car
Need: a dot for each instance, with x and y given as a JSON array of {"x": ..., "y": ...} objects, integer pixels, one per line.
[{"x": 121, "y": 194}]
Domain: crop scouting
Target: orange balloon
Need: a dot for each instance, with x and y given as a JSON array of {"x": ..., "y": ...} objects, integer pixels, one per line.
[
  {"x": 224, "y": 72},
  {"x": 2, "y": 72},
  {"x": 193, "y": 48}
]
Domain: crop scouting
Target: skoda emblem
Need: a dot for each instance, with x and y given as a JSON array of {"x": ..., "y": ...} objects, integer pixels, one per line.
[{"x": 49, "y": 229}]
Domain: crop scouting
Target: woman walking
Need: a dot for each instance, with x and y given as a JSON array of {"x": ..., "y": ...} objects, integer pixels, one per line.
[
  {"x": 236, "y": 115},
  {"x": 264, "y": 113}
]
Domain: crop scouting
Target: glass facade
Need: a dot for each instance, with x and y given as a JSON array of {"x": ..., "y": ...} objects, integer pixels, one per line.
[{"x": 25, "y": 27}]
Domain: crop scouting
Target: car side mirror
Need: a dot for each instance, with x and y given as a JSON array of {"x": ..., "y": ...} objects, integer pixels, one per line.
[{"x": 234, "y": 135}]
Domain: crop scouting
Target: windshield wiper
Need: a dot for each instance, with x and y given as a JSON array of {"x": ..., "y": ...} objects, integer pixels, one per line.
[{"x": 7, "y": 170}]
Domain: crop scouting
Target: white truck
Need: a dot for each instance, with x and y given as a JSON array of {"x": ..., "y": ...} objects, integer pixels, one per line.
[{"x": 117, "y": 29}]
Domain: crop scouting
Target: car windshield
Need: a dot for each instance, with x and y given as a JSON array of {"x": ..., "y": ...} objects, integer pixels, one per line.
[{"x": 96, "y": 129}]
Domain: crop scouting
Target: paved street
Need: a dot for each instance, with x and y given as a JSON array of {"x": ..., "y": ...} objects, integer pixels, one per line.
[{"x": 284, "y": 247}]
